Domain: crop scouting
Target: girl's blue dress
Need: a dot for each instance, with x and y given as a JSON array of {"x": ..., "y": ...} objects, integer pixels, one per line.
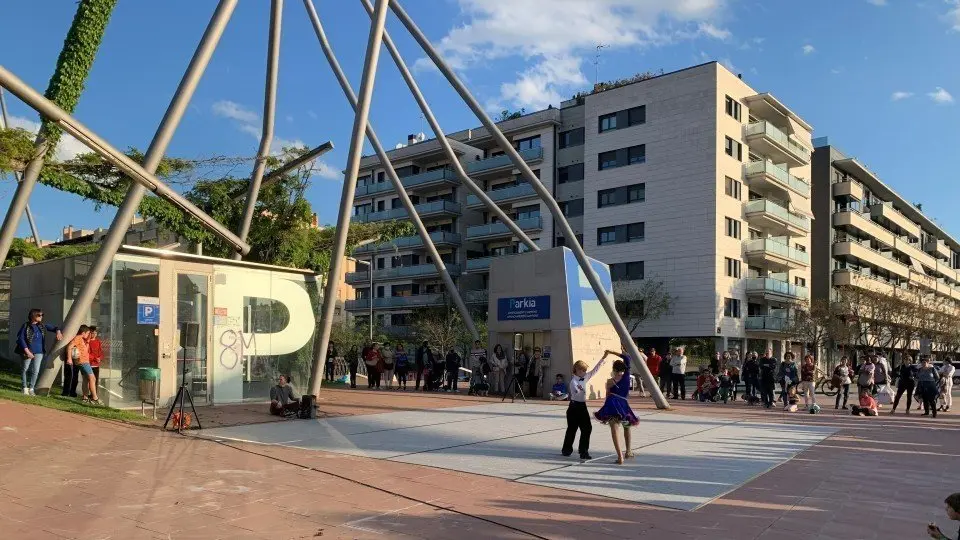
[{"x": 616, "y": 408}]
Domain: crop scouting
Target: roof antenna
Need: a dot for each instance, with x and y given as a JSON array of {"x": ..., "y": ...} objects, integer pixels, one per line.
[{"x": 596, "y": 64}]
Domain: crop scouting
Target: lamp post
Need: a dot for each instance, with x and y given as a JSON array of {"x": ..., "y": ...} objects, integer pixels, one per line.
[{"x": 370, "y": 274}]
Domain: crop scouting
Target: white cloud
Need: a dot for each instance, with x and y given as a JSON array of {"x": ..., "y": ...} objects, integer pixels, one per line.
[
  {"x": 941, "y": 96},
  {"x": 727, "y": 63},
  {"x": 554, "y": 37},
  {"x": 953, "y": 14},
  {"x": 323, "y": 170},
  {"x": 898, "y": 95},
  {"x": 235, "y": 111},
  {"x": 877, "y": 2},
  {"x": 67, "y": 148},
  {"x": 808, "y": 49}
]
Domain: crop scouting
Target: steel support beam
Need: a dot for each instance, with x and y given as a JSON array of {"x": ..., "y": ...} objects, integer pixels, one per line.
[
  {"x": 394, "y": 178},
  {"x": 349, "y": 189},
  {"x": 80, "y": 309},
  {"x": 140, "y": 174},
  {"x": 274, "y": 175},
  {"x": 26, "y": 207},
  {"x": 25, "y": 185},
  {"x": 269, "y": 114},
  {"x": 571, "y": 242},
  {"x": 447, "y": 149}
]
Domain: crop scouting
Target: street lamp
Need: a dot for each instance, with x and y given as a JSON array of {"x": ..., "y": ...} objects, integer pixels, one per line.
[{"x": 370, "y": 274}]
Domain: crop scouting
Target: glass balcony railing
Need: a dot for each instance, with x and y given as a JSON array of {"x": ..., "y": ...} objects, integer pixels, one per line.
[
  {"x": 775, "y": 134},
  {"x": 478, "y": 264},
  {"x": 780, "y": 175},
  {"x": 769, "y": 245},
  {"x": 439, "y": 237},
  {"x": 516, "y": 192},
  {"x": 425, "y": 209},
  {"x": 416, "y": 270},
  {"x": 429, "y": 177},
  {"x": 497, "y": 162},
  {"x": 768, "y": 323},
  {"x": 477, "y": 297},
  {"x": 416, "y": 300},
  {"x": 775, "y": 286},
  {"x": 769, "y": 207},
  {"x": 495, "y": 229}
]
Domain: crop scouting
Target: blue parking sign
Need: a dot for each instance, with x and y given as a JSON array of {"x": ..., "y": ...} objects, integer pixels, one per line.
[{"x": 148, "y": 310}]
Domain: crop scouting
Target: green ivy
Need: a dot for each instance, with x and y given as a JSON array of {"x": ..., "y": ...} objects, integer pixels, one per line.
[
  {"x": 76, "y": 58},
  {"x": 22, "y": 249}
]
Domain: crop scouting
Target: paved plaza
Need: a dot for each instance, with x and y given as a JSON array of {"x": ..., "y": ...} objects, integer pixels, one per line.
[{"x": 391, "y": 465}]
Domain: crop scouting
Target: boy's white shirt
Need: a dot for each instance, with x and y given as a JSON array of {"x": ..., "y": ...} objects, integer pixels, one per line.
[{"x": 578, "y": 388}]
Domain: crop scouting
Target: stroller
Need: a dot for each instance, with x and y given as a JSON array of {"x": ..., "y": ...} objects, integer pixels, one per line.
[{"x": 478, "y": 379}]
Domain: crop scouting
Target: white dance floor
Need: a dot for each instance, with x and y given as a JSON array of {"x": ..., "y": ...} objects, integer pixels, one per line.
[{"x": 681, "y": 462}]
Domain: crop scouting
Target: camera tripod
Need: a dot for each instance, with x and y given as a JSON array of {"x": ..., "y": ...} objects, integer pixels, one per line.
[
  {"x": 516, "y": 387},
  {"x": 184, "y": 392}
]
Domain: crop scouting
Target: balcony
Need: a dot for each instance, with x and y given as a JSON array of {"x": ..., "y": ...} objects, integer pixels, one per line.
[
  {"x": 774, "y": 289},
  {"x": 776, "y": 254},
  {"x": 866, "y": 256},
  {"x": 763, "y": 175},
  {"x": 430, "y": 209},
  {"x": 400, "y": 272},
  {"x": 396, "y": 302},
  {"x": 847, "y": 277},
  {"x": 889, "y": 216},
  {"x": 858, "y": 224},
  {"x": 489, "y": 165},
  {"x": 912, "y": 250},
  {"x": 423, "y": 180},
  {"x": 493, "y": 230},
  {"x": 771, "y": 141},
  {"x": 506, "y": 195},
  {"x": 938, "y": 248},
  {"x": 440, "y": 238},
  {"x": 479, "y": 265},
  {"x": 477, "y": 297},
  {"x": 768, "y": 214},
  {"x": 767, "y": 323},
  {"x": 848, "y": 188}
]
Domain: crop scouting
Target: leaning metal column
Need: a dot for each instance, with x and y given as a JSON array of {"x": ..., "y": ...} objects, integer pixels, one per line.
[
  {"x": 571, "y": 241},
  {"x": 121, "y": 222},
  {"x": 18, "y": 177},
  {"x": 349, "y": 188},
  {"x": 269, "y": 112},
  {"x": 394, "y": 179},
  {"x": 438, "y": 133}
]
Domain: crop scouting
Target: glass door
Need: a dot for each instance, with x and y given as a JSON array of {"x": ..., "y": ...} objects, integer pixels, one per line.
[{"x": 193, "y": 333}]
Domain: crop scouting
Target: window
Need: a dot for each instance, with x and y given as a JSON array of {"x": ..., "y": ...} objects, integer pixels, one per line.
[
  {"x": 733, "y": 227},
  {"x": 608, "y": 122},
  {"x": 801, "y": 249},
  {"x": 733, "y": 148},
  {"x": 380, "y": 177},
  {"x": 733, "y": 267},
  {"x": 570, "y": 173},
  {"x": 362, "y": 209},
  {"x": 621, "y": 195},
  {"x": 530, "y": 211},
  {"x": 380, "y": 290},
  {"x": 395, "y": 203},
  {"x": 637, "y": 154},
  {"x": 381, "y": 206},
  {"x": 636, "y": 193},
  {"x": 364, "y": 180},
  {"x": 731, "y": 307},
  {"x": 800, "y": 281},
  {"x": 626, "y": 271},
  {"x": 733, "y": 108},
  {"x": 607, "y": 160},
  {"x": 637, "y": 115},
  {"x": 562, "y": 241},
  {"x": 606, "y": 235},
  {"x": 606, "y": 197},
  {"x": 573, "y": 137},
  {"x": 528, "y": 143},
  {"x": 733, "y": 188},
  {"x": 572, "y": 208},
  {"x": 635, "y": 232}
]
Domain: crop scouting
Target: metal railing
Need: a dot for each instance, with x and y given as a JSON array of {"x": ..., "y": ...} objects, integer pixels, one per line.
[
  {"x": 771, "y": 246},
  {"x": 424, "y": 209},
  {"x": 774, "y": 209},
  {"x": 477, "y": 297},
  {"x": 780, "y": 175},
  {"x": 415, "y": 300},
  {"x": 497, "y": 162},
  {"x": 770, "y": 323},
  {"x": 416, "y": 270},
  {"x": 497, "y": 195},
  {"x": 414, "y": 180},
  {"x": 440, "y": 237},
  {"x": 776, "y": 134},
  {"x": 775, "y": 286},
  {"x": 494, "y": 229}
]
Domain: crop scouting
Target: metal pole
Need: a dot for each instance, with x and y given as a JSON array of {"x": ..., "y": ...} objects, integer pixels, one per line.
[
  {"x": 349, "y": 188},
  {"x": 18, "y": 177},
  {"x": 442, "y": 139},
  {"x": 394, "y": 178},
  {"x": 121, "y": 222},
  {"x": 571, "y": 241},
  {"x": 131, "y": 168},
  {"x": 278, "y": 173},
  {"x": 370, "y": 271},
  {"x": 269, "y": 112}
]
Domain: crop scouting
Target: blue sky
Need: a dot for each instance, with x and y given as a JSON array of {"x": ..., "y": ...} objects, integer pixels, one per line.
[{"x": 877, "y": 76}]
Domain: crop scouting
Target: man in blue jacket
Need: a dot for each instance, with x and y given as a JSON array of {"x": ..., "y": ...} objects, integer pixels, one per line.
[{"x": 31, "y": 346}]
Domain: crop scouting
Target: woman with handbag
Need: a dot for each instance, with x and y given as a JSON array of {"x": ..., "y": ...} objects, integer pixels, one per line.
[{"x": 841, "y": 381}]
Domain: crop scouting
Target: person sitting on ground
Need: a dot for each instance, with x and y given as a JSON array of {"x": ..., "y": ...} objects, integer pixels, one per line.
[
  {"x": 868, "y": 405},
  {"x": 284, "y": 401},
  {"x": 952, "y": 503},
  {"x": 727, "y": 387},
  {"x": 707, "y": 385},
  {"x": 559, "y": 390}
]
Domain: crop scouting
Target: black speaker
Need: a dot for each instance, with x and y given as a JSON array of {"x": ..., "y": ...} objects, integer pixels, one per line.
[
  {"x": 308, "y": 407},
  {"x": 189, "y": 335}
]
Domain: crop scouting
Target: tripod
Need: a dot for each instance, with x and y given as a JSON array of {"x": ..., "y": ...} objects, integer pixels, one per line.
[
  {"x": 516, "y": 387},
  {"x": 184, "y": 392}
]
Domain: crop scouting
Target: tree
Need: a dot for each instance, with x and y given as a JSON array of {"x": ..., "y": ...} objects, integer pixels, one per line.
[
  {"x": 442, "y": 327},
  {"x": 639, "y": 302},
  {"x": 508, "y": 115},
  {"x": 21, "y": 249},
  {"x": 818, "y": 324}
]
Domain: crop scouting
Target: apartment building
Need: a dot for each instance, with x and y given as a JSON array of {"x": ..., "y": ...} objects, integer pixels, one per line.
[
  {"x": 690, "y": 177},
  {"x": 868, "y": 236}
]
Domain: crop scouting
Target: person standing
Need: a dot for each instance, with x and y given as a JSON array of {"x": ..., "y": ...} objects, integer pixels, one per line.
[
  {"x": 437, "y": 370},
  {"x": 906, "y": 382},
  {"x": 751, "y": 375},
  {"x": 653, "y": 363},
  {"x": 788, "y": 375},
  {"x": 32, "y": 347},
  {"x": 734, "y": 369},
  {"x": 353, "y": 362},
  {"x": 678, "y": 370},
  {"x": 421, "y": 362},
  {"x": 96, "y": 354},
  {"x": 865, "y": 377},
  {"x": 78, "y": 354},
  {"x": 402, "y": 366},
  {"x": 768, "y": 370},
  {"x": 476, "y": 353},
  {"x": 578, "y": 417},
  {"x": 389, "y": 363},
  {"x": 330, "y": 364},
  {"x": 715, "y": 361},
  {"x": 666, "y": 372},
  {"x": 535, "y": 372},
  {"x": 372, "y": 361},
  {"x": 927, "y": 379},
  {"x": 881, "y": 372},
  {"x": 453, "y": 363},
  {"x": 841, "y": 380},
  {"x": 946, "y": 377},
  {"x": 808, "y": 373},
  {"x": 498, "y": 366}
]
